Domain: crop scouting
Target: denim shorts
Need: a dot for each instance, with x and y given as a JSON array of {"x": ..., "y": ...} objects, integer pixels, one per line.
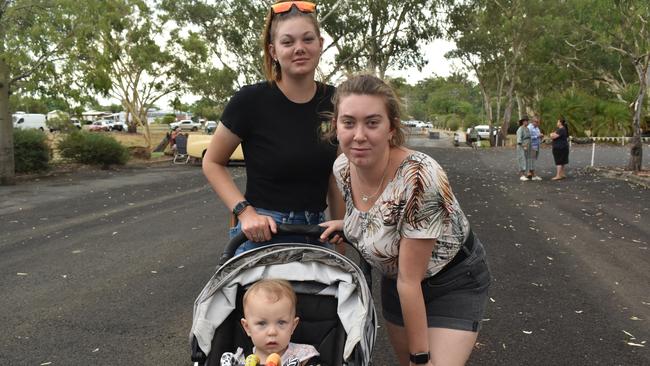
[
  {"x": 455, "y": 298},
  {"x": 293, "y": 217}
]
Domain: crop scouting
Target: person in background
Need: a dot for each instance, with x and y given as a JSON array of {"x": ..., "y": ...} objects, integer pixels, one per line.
[
  {"x": 172, "y": 138},
  {"x": 403, "y": 217},
  {"x": 473, "y": 137},
  {"x": 536, "y": 137},
  {"x": 523, "y": 149},
  {"x": 278, "y": 123},
  {"x": 560, "y": 148}
]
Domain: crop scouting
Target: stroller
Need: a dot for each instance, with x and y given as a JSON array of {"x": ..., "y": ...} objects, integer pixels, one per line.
[{"x": 336, "y": 310}]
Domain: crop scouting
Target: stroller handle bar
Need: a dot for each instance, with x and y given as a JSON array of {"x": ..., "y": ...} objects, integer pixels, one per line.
[
  {"x": 308, "y": 230},
  {"x": 313, "y": 231}
]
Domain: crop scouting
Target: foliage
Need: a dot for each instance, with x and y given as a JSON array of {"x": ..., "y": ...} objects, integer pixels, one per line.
[
  {"x": 36, "y": 39},
  {"x": 60, "y": 123},
  {"x": 168, "y": 119},
  {"x": 126, "y": 63},
  {"x": 371, "y": 35},
  {"x": 92, "y": 148},
  {"x": 31, "y": 150}
]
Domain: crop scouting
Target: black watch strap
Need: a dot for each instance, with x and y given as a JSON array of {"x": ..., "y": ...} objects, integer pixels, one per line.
[
  {"x": 240, "y": 207},
  {"x": 420, "y": 358}
]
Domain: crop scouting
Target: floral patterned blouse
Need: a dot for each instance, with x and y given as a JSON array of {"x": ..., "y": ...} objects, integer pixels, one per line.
[{"x": 417, "y": 203}]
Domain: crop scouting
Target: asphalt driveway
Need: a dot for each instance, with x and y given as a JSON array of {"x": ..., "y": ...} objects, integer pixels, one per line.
[{"x": 102, "y": 267}]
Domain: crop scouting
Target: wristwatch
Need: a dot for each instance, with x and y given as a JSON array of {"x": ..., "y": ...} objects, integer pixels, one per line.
[
  {"x": 240, "y": 207},
  {"x": 420, "y": 358}
]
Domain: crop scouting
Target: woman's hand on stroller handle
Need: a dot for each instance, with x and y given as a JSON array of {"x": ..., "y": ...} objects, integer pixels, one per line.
[
  {"x": 333, "y": 232},
  {"x": 257, "y": 228}
]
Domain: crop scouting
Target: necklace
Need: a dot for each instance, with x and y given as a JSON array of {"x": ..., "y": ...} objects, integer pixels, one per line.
[{"x": 364, "y": 197}]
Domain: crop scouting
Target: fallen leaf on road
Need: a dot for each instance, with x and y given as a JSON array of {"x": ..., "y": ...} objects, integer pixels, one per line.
[
  {"x": 21, "y": 274},
  {"x": 154, "y": 272},
  {"x": 96, "y": 350},
  {"x": 578, "y": 311},
  {"x": 46, "y": 363},
  {"x": 629, "y": 334},
  {"x": 635, "y": 318},
  {"x": 527, "y": 331},
  {"x": 114, "y": 232},
  {"x": 491, "y": 299},
  {"x": 635, "y": 344},
  {"x": 76, "y": 251}
]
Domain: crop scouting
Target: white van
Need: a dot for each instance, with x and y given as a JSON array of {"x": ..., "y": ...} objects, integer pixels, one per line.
[{"x": 29, "y": 120}]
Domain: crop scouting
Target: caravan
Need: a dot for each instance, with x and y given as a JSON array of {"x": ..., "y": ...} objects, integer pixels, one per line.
[{"x": 29, "y": 120}]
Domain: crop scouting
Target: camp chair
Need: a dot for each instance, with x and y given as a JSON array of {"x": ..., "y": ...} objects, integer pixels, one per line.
[{"x": 180, "y": 154}]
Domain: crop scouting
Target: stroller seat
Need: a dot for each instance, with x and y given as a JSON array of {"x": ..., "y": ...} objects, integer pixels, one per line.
[{"x": 319, "y": 326}]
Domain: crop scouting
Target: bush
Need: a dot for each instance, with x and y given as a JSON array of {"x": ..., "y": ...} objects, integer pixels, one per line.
[
  {"x": 94, "y": 149},
  {"x": 62, "y": 124},
  {"x": 31, "y": 151}
]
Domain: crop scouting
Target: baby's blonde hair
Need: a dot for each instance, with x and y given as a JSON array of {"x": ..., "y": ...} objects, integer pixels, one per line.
[{"x": 273, "y": 290}]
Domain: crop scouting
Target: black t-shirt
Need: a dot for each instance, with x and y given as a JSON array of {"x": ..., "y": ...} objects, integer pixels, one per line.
[
  {"x": 562, "y": 141},
  {"x": 287, "y": 162}
]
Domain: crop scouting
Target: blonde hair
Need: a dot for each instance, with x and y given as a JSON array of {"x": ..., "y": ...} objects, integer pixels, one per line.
[
  {"x": 273, "y": 290},
  {"x": 272, "y": 69},
  {"x": 366, "y": 84}
]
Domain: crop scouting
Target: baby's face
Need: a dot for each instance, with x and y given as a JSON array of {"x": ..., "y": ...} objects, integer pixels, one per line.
[{"x": 269, "y": 324}]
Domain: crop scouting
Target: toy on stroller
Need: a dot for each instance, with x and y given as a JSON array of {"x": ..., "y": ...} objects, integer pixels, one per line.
[{"x": 336, "y": 310}]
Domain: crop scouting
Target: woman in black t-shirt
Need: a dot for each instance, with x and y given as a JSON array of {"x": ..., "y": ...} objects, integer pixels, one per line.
[
  {"x": 278, "y": 123},
  {"x": 560, "y": 148}
]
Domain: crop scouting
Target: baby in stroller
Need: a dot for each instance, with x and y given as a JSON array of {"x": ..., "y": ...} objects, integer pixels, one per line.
[
  {"x": 334, "y": 303},
  {"x": 270, "y": 320}
]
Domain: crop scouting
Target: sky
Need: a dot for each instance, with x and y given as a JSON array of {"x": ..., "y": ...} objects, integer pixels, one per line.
[{"x": 437, "y": 64}]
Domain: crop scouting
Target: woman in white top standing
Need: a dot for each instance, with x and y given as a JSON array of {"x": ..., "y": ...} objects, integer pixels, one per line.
[{"x": 403, "y": 217}]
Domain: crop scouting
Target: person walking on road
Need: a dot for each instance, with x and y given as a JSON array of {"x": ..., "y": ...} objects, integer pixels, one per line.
[
  {"x": 473, "y": 138},
  {"x": 536, "y": 137},
  {"x": 523, "y": 149},
  {"x": 560, "y": 148},
  {"x": 403, "y": 217},
  {"x": 278, "y": 123}
]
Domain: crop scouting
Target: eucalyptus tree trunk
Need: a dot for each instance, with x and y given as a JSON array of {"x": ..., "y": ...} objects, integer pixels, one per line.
[
  {"x": 7, "y": 162},
  {"x": 507, "y": 113},
  {"x": 636, "y": 151}
]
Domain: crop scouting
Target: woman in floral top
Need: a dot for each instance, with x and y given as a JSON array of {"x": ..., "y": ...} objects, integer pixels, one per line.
[{"x": 402, "y": 215}]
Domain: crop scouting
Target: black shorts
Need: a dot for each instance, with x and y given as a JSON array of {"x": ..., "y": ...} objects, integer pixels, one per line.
[
  {"x": 455, "y": 298},
  {"x": 561, "y": 155}
]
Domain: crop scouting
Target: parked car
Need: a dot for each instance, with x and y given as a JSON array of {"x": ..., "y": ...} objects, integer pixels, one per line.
[
  {"x": 210, "y": 126},
  {"x": 186, "y": 124},
  {"x": 101, "y": 125},
  {"x": 197, "y": 145},
  {"x": 76, "y": 123},
  {"x": 484, "y": 131},
  {"x": 118, "y": 126},
  {"x": 29, "y": 120}
]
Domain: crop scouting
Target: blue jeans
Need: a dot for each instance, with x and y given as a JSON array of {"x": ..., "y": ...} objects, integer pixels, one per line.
[{"x": 293, "y": 217}]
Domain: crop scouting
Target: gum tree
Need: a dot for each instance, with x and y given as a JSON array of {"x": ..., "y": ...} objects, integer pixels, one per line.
[
  {"x": 37, "y": 39},
  {"x": 620, "y": 30}
]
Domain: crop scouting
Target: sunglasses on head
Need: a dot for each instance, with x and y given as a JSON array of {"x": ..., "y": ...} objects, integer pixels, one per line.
[{"x": 303, "y": 6}]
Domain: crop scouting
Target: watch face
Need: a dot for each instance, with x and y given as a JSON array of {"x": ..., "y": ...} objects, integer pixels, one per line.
[{"x": 420, "y": 358}]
